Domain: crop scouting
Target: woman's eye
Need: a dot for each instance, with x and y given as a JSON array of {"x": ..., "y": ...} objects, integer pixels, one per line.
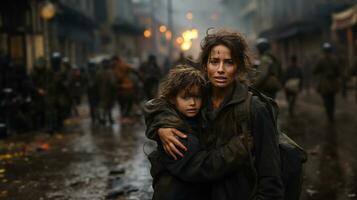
[
  {"x": 229, "y": 62},
  {"x": 214, "y": 62}
]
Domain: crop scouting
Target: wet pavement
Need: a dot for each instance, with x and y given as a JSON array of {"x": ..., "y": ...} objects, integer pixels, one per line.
[
  {"x": 84, "y": 162},
  {"x": 96, "y": 162},
  {"x": 331, "y": 170}
]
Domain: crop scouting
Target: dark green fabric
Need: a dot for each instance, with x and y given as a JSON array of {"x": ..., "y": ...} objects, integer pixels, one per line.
[
  {"x": 220, "y": 127},
  {"x": 197, "y": 166},
  {"x": 328, "y": 73}
]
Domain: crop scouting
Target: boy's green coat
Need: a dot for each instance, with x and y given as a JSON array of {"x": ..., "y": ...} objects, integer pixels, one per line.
[{"x": 221, "y": 126}]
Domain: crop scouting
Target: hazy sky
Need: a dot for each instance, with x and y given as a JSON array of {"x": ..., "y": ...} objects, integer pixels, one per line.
[{"x": 206, "y": 13}]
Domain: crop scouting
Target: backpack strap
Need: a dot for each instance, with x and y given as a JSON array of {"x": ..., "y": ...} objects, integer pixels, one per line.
[{"x": 246, "y": 126}]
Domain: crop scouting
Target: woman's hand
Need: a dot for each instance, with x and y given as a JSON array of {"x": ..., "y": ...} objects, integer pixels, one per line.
[{"x": 170, "y": 141}]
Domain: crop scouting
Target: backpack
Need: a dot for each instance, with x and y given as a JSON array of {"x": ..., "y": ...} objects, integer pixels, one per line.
[
  {"x": 292, "y": 155},
  {"x": 273, "y": 80}
]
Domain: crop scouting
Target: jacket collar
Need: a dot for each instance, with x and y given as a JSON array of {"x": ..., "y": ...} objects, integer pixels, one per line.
[{"x": 238, "y": 95}]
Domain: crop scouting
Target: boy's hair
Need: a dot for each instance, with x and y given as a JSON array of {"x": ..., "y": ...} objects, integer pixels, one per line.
[{"x": 181, "y": 77}]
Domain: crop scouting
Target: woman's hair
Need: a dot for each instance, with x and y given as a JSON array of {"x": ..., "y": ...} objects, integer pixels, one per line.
[
  {"x": 235, "y": 42},
  {"x": 181, "y": 77}
]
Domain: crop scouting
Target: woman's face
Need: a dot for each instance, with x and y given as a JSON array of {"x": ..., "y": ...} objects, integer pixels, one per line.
[{"x": 221, "y": 69}]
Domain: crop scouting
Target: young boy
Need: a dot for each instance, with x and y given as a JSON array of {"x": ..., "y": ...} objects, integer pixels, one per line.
[{"x": 178, "y": 106}]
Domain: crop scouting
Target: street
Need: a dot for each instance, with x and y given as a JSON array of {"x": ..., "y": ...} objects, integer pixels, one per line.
[
  {"x": 83, "y": 163},
  {"x": 74, "y": 76},
  {"x": 92, "y": 162}
]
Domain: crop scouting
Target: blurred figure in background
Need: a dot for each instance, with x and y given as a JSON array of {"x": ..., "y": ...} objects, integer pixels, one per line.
[
  {"x": 268, "y": 72},
  {"x": 126, "y": 86},
  {"x": 67, "y": 100},
  {"x": 76, "y": 84},
  {"x": 41, "y": 77},
  {"x": 92, "y": 92},
  {"x": 166, "y": 66},
  {"x": 293, "y": 81},
  {"x": 107, "y": 92},
  {"x": 327, "y": 72},
  {"x": 354, "y": 75},
  {"x": 151, "y": 75},
  {"x": 181, "y": 59}
]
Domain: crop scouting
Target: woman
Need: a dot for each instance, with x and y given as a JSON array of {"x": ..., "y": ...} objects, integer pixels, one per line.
[
  {"x": 225, "y": 61},
  {"x": 179, "y": 103}
]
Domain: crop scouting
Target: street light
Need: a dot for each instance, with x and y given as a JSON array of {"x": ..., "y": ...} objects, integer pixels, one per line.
[
  {"x": 147, "y": 33},
  {"x": 163, "y": 29},
  {"x": 186, "y": 45},
  {"x": 179, "y": 40},
  {"x": 47, "y": 12},
  {"x": 168, "y": 35}
]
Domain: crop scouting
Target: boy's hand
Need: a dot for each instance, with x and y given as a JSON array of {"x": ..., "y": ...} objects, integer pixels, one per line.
[{"x": 170, "y": 141}]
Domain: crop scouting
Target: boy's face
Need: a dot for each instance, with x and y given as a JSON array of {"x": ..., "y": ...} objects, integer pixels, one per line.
[{"x": 189, "y": 102}]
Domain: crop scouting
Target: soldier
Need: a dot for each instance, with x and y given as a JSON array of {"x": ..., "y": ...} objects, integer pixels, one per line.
[
  {"x": 92, "y": 91},
  {"x": 268, "y": 77},
  {"x": 292, "y": 83},
  {"x": 107, "y": 91},
  {"x": 40, "y": 77},
  {"x": 354, "y": 74},
  {"x": 151, "y": 74},
  {"x": 327, "y": 72},
  {"x": 127, "y": 83}
]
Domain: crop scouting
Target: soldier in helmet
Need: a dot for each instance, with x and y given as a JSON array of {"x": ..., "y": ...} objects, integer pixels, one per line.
[
  {"x": 151, "y": 75},
  {"x": 268, "y": 70},
  {"x": 327, "y": 72}
]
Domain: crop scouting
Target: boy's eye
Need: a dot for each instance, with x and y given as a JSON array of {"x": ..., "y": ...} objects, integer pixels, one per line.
[
  {"x": 186, "y": 97},
  {"x": 191, "y": 96}
]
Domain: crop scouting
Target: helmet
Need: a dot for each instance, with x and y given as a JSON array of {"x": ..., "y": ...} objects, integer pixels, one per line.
[
  {"x": 262, "y": 44},
  {"x": 326, "y": 47}
]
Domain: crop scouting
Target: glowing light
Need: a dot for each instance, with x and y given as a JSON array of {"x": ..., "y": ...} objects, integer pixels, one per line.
[
  {"x": 147, "y": 33},
  {"x": 190, "y": 34},
  {"x": 163, "y": 28},
  {"x": 186, "y": 45},
  {"x": 168, "y": 35},
  {"x": 48, "y": 10},
  {"x": 194, "y": 33},
  {"x": 179, "y": 40},
  {"x": 187, "y": 35}
]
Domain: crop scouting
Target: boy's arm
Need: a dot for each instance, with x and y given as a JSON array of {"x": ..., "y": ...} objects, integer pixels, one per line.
[
  {"x": 199, "y": 165},
  {"x": 158, "y": 114}
]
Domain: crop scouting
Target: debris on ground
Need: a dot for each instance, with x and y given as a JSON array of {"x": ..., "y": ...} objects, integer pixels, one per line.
[{"x": 311, "y": 192}]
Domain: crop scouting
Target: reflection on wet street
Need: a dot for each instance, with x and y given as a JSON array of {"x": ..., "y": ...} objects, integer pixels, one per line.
[
  {"x": 94, "y": 162},
  {"x": 85, "y": 162},
  {"x": 330, "y": 172}
]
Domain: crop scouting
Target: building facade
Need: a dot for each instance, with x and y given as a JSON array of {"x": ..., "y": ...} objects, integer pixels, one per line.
[
  {"x": 28, "y": 32},
  {"x": 294, "y": 27}
]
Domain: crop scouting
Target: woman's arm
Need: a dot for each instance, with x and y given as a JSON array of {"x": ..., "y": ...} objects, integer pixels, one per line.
[
  {"x": 161, "y": 121},
  {"x": 199, "y": 165},
  {"x": 267, "y": 154}
]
